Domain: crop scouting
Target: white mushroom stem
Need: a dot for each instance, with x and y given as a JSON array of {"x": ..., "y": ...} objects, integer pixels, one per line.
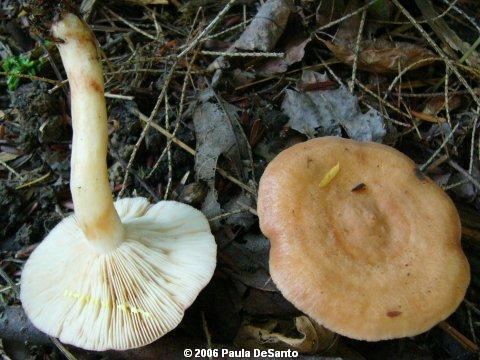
[{"x": 92, "y": 197}]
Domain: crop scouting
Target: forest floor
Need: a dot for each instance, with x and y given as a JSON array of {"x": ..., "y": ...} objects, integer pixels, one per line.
[{"x": 201, "y": 95}]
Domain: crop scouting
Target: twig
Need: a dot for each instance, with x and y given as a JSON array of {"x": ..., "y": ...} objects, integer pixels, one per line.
[
  {"x": 179, "y": 114},
  {"x": 63, "y": 349},
  {"x": 209, "y": 27},
  {"x": 134, "y": 173},
  {"x": 465, "y": 173},
  {"x": 10, "y": 282},
  {"x": 227, "y": 214},
  {"x": 147, "y": 126},
  {"x": 403, "y": 71},
  {"x": 470, "y": 324},
  {"x": 33, "y": 182},
  {"x": 58, "y": 85},
  {"x": 457, "y": 335},
  {"x": 248, "y": 208},
  {"x": 435, "y": 154},
  {"x": 12, "y": 170},
  {"x": 213, "y": 36},
  {"x": 30, "y": 77},
  {"x": 132, "y": 26},
  {"x": 169, "y": 151},
  {"x": 470, "y": 50},
  {"x": 86, "y": 8},
  {"x": 446, "y": 97},
  {"x": 472, "y": 145},
  {"x": 439, "y": 51},
  {"x": 351, "y": 86},
  {"x": 243, "y": 54},
  {"x": 472, "y": 306},
  {"x": 349, "y": 15},
  {"x": 461, "y": 12},
  {"x": 188, "y": 149},
  {"x": 119, "y": 96},
  {"x": 208, "y": 337}
]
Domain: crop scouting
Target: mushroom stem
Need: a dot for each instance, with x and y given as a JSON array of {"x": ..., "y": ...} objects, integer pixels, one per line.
[{"x": 91, "y": 194}]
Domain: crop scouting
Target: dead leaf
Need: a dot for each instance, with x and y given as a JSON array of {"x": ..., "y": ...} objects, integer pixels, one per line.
[
  {"x": 217, "y": 132},
  {"x": 210, "y": 125},
  {"x": 266, "y": 28},
  {"x": 381, "y": 56},
  {"x": 329, "y": 176},
  {"x": 263, "y": 31},
  {"x": 249, "y": 261},
  {"x": 239, "y": 203},
  {"x": 294, "y": 52},
  {"x": 6, "y": 156},
  {"x": 321, "y": 113},
  {"x": 302, "y": 334},
  {"x": 437, "y": 104}
]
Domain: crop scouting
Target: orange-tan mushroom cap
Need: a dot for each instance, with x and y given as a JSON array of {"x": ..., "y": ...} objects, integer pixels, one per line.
[{"x": 374, "y": 253}]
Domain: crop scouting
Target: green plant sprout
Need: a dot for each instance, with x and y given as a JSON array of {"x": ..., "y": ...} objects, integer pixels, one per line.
[{"x": 19, "y": 65}]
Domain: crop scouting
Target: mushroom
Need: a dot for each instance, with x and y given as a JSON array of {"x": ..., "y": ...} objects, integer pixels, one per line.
[
  {"x": 360, "y": 240},
  {"x": 114, "y": 275}
]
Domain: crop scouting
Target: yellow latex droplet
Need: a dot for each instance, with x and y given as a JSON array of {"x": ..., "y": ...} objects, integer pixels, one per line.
[
  {"x": 329, "y": 176},
  {"x": 86, "y": 299}
]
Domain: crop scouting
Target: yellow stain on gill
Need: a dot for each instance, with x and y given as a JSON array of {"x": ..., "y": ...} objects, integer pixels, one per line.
[{"x": 86, "y": 299}]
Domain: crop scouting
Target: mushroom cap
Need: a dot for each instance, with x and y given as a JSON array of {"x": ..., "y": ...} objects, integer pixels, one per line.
[
  {"x": 376, "y": 261},
  {"x": 130, "y": 296}
]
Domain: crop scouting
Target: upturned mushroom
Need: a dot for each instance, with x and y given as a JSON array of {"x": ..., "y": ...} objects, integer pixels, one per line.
[
  {"x": 113, "y": 275},
  {"x": 360, "y": 240}
]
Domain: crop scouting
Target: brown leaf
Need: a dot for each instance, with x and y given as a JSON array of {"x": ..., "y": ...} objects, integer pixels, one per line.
[
  {"x": 427, "y": 117},
  {"x": 294, "y": 52},
  {"x": 382, "y": 56},
  {"x": 302, "y": 335},
  {"x": 266, "y": 27},
  {"x": 437, "y": 104}
]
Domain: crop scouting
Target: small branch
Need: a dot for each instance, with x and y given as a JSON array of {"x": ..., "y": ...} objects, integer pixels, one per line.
[
  {"x": 457, "y": 335},
  {"x": 132, "y": 26},
  {"x": 243, "y": 54},
  {"x": 435, "y": 154},
  {"x": 191, "y": 151},
  {"x": 439, "y": 51},
  {"x": 147, "y": 126},
  {"x": 343, "y": 18},
  {"x": 464, "y": 172},
  {"x": 33, "y": 182},
  {"x": 357, "y": 50},
  {"x": 135, "y": 174},
  {"x": 210, "y": 26}
]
